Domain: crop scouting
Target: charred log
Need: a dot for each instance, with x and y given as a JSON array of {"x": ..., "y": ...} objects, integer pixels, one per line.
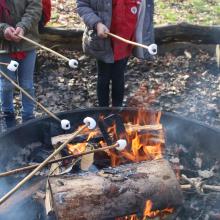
[
  {"x": 116, "y": 192},
  {"x": 182, "y": 32}
]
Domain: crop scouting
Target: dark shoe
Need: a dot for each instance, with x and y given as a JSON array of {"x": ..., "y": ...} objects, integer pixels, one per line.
[{"x": 10, "y": 119}]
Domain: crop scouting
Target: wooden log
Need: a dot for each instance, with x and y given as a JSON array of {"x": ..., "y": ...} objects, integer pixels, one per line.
[
  {"x": 182, "y": 32},
  {"x": 116, "y": 192}
]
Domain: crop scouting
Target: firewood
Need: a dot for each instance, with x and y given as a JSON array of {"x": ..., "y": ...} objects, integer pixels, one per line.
[
  {"x": 54, "y": 170},
  {"x": 116, "y": 191}
]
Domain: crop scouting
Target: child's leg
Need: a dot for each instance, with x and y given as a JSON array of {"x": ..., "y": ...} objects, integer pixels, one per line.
[
  {"x": 117, "y": 76},
  {"x": 6, "y": 88},
  {"x": 25, "y": 78},
  {"x": 103, "y": 83}
]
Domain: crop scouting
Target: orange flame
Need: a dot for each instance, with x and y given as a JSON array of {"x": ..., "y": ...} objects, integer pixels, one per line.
[
  {"x": 142, "y": 146},
  {"x": 76, "y": 148},
  {"x": 149, "y": 213}
]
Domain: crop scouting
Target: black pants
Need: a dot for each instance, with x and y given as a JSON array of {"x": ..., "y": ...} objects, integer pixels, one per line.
[{"x": 111, "y": 72}]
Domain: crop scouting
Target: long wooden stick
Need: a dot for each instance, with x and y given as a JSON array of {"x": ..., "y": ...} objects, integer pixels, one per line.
[
  {"x": 43, "y": 47},
  {"x": 5, "y": 64},
  {"x": 207, "y": 187},
  {"x": 128, "y": 41},
  {"x": 31, "y": 167},
  {"x": 30, "y": 97},
  {"x": 41, "y": 165}
]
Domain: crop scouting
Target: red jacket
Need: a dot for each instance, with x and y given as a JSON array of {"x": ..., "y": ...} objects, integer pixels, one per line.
[{"x": 124, "y": 19}]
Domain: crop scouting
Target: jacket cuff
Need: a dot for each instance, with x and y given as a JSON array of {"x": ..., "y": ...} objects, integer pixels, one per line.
[
  {"x": 3, "y": 26},
  {"x": 94, "y": 22},
  {"x": 21, "y": 25}
]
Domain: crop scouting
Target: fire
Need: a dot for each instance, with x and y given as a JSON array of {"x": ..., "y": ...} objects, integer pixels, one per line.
[
  {"x": 145, "y": 138},
  {"x": 143, "y": 145},
  {"x": 76, "y": 148},
  {"x": 149, "y": 213}
]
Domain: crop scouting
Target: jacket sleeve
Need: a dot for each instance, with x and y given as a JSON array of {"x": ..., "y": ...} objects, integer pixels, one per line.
[
  {"x": 85, "y": 11},
  {"x": 31, "y": 16},
  {"x": 3, "y": 26}
]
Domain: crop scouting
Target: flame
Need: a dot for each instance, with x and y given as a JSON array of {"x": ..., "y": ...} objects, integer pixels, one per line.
[
  {"x": 142, "y": 146},
  {"x": 76, "y": 148},
  {"x": 149, "y": 213}
]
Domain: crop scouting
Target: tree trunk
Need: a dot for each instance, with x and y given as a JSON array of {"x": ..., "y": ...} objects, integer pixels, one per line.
[
  {"x": 182, "y": 32},
  {"x": 116, "y": 192}
]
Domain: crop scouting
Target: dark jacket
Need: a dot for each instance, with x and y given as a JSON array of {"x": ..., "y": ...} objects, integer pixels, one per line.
[
  {"x": 25, "y": 14},
  {"x": 94, "y": 11}
]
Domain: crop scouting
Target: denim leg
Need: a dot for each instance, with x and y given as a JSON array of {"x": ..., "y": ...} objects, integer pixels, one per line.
[
  {"x": 6, "y": 88},
  {"x": 25, "y": 78}
]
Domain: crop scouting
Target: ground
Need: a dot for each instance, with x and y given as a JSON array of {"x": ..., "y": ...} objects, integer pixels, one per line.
[{"x": 166, "y": 12}]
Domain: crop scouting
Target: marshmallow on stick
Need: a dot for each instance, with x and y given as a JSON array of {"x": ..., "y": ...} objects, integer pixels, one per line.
[
  {"x": 12, "y": 66},
  {"x": 152, "y": 48}
]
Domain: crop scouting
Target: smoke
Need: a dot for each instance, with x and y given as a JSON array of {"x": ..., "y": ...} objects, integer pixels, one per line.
[{"x": 21, "y": 205}]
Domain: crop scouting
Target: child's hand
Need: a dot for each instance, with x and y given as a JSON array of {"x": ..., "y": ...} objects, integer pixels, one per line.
[
  {"x": 18, "y": 31},
  {"x": 9, "y": 33},
  {"x": 102, "y": 30}
]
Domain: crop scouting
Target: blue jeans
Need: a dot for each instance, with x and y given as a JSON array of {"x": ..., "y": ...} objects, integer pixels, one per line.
[{"x": 24, "y": 77}]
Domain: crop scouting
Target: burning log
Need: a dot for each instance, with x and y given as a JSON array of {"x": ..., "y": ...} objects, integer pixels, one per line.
[{"x": 116, "y": 192}]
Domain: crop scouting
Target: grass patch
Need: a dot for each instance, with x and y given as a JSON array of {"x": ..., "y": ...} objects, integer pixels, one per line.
[{"x": 203, "y": 12}]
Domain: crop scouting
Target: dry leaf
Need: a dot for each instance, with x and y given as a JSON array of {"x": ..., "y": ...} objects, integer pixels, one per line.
[
  {"x": 87, "y": 160},
  {"x": 188, "y": 54}
]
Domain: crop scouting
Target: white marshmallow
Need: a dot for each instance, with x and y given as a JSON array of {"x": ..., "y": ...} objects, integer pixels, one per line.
[
  {"x": 122, "y": 143},
  {"x": 13, "y": 66},
  {"x": 152, "y": 49},
  {"x": 73, "y": 63},
  {"x": 65, "y": 124},
  {"x": 90, "y": 122}
]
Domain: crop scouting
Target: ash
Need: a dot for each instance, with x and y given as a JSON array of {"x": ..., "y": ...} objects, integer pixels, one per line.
[{"x": 198, "y": 204}]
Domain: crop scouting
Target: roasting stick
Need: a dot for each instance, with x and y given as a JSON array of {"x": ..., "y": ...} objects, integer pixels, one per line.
[
  {"x": 31, "y": 167},
  {"x": 5, "y": 64},
  {"x": 152, "y": 48},
  {"x": 198, "y": 185},
  {"x": 88, "y": 123},
  {"x": 72, "y": 62}
]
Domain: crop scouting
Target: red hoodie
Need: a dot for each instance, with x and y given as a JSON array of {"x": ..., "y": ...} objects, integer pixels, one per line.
[{"x": 124, "y": 19}]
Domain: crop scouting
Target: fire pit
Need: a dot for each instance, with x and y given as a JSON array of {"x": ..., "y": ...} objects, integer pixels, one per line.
[{"x": 179, "y": 132}]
